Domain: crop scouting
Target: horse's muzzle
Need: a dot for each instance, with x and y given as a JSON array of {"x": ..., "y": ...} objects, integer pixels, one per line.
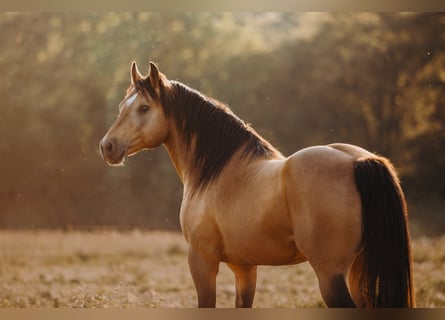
[{"x": 111, "y": 151}]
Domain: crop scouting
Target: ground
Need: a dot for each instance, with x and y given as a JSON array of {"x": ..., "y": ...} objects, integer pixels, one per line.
[{"x": 149, "y": 269}]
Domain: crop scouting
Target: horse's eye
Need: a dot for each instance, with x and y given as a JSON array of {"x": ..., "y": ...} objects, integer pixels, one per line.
[{"x": 144, "y": 108}]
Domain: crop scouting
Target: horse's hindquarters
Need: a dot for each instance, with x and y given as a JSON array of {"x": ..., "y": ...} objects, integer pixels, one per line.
[{"x": 325, "y": 207}]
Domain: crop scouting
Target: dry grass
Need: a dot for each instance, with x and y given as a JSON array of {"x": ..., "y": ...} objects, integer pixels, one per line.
[{"x": 149, "y": 269}]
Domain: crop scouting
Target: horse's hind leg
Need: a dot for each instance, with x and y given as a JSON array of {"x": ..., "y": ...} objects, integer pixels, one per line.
[
  {"x": 355, "y": 280},
  {"x": 245, "y": 277},
  {"x": 334, "y": 291}
]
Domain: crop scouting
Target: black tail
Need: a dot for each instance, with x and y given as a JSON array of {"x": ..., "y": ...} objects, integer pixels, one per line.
[{"x": 386, "y": 241}]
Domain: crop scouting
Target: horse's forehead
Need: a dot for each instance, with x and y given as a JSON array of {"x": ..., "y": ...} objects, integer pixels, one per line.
[
  {"x": 131, "y": 99},
  {"x": 128, "y": 100}
]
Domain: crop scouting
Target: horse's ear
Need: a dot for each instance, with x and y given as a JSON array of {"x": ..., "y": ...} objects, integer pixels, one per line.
[
  {"x": 153, "y": 74},
  {"x": 135, "y": 74}
]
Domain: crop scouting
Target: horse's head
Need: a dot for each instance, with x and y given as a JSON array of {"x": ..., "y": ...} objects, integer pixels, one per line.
[{"x": 141, "y": 123}]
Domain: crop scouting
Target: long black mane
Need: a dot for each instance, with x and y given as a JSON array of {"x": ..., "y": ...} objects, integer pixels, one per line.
[{"x": 216, "y": 131}]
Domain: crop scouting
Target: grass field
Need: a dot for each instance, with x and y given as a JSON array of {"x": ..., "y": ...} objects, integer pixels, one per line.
[{"x": 149, "y": 269}]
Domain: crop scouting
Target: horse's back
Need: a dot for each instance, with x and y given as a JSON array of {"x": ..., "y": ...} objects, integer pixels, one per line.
[{"x": 324, "y": 202}]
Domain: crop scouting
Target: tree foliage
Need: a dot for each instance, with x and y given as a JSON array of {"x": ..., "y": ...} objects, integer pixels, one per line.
[{"x": 372, "y": 79}]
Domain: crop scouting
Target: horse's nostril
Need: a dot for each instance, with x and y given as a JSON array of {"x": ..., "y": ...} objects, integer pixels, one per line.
[{"x": 109, "y": 147}]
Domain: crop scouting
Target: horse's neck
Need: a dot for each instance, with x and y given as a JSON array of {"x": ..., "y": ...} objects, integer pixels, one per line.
[
  {"x": 183, "y": 154},
  {"x": 180, "y": 154}
]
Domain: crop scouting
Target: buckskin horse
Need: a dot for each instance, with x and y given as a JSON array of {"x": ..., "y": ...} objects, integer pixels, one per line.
[{"x": 339, "y": 207}]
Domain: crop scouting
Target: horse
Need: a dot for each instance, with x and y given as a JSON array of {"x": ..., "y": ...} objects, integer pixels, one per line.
[{"x": 337, "y": 206}]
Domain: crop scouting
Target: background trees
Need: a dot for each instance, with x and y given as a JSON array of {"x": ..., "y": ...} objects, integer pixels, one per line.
[{"x": 371, "y": 79}]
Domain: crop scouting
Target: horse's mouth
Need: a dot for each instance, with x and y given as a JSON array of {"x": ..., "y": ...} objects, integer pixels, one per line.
[
  {"x": 114, "y": 153},
  {"x": 115, "y": 160}
]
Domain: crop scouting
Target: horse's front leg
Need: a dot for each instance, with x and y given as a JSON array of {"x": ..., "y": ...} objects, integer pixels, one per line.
[
  {"x": 204, "y": 269},
  {"x": 246, "y": 277}
]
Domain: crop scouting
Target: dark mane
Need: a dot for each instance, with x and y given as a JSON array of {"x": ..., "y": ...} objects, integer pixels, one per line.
[{"x": 215, "y": 130}]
